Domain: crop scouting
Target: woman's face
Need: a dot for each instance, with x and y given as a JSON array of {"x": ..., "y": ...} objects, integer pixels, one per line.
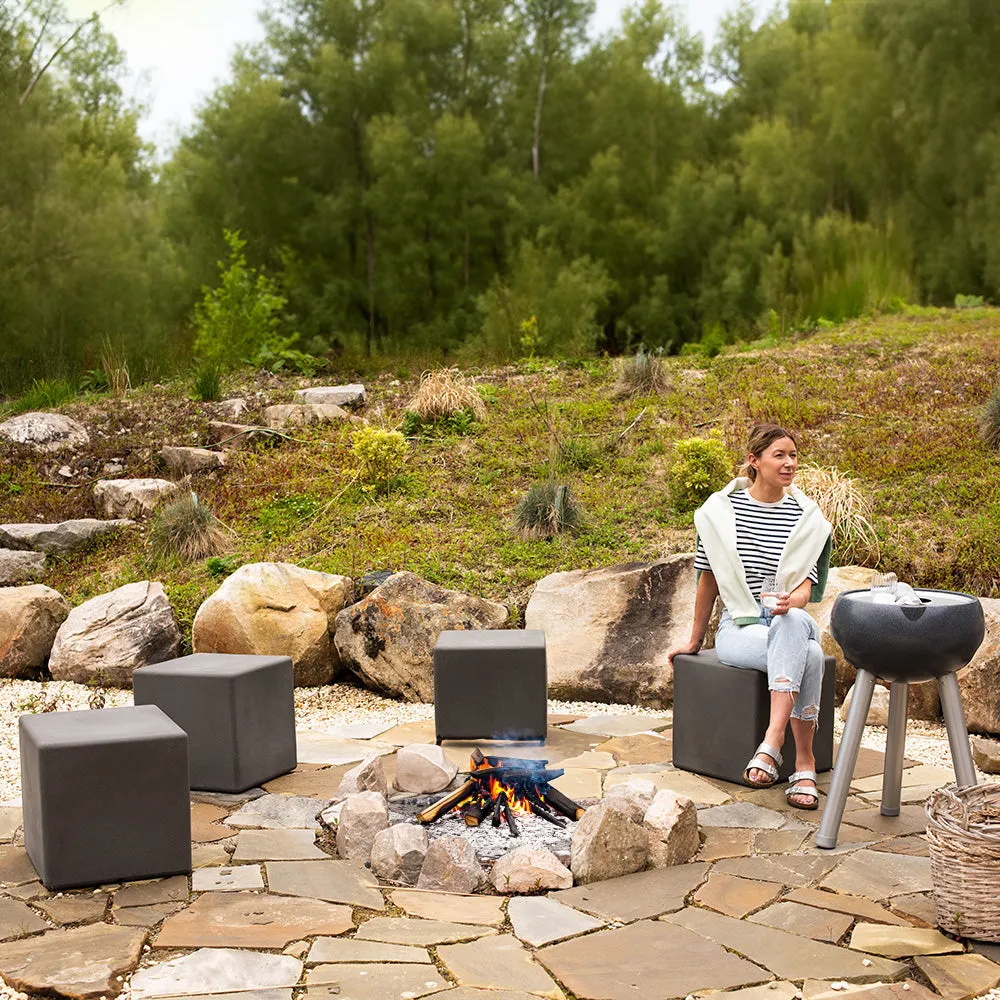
[{"x": 776, "y": 465}]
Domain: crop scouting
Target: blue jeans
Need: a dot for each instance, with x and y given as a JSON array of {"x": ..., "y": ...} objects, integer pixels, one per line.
[{"x": 786, "y": 647}]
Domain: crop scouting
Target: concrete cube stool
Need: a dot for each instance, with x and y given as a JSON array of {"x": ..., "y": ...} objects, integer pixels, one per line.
[
  {"x": 721, "y": 715},
  {"x": 105, "y": 796},
  {"x": 490, "y": 684},
  {"x": 238, "y": 712}
]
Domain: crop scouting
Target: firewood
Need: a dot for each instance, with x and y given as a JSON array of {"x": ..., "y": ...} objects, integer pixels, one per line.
[
  {"x": 439, "y": 808},
  {"x": 477, "y": 812},
  {"x": 521, "y": 763},
  {"x": 498, "y": 805},
  {"x": 562, "y": 803},
  {"x": 476, "y": 759},
  {"x": 539, "y": 810},
  {"x": 511, "y": 822}
]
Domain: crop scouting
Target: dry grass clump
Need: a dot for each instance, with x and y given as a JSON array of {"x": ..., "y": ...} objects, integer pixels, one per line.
[
  {"x": 546, "y": 510},
  {"x": 989, "y": 421},
  {"x": 446, "y": 393},
  {"x": 641, "y": 375},
  {"x": 187, "y": 529},
  {"x": 845, "y": 507}
]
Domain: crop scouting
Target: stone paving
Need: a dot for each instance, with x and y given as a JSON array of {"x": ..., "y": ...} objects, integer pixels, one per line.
[{"x": 270, "y": 914}]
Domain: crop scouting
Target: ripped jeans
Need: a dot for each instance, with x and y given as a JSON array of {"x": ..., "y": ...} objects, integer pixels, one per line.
[{"x": 787, "y": 649}]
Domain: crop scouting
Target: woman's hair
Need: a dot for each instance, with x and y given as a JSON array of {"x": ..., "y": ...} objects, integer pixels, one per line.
[{"x": 761, "y": 438}]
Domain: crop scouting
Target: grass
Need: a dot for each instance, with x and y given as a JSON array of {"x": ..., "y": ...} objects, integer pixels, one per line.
[
  {"x": 44, "y": 394},
  {"x": 444, "y": 393},
  {"x": 891, "y": 403}
]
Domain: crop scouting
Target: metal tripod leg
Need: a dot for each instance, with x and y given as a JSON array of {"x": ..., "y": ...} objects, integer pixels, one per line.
[
  {"x": 892, "y": 771},
  {"x": 958, "y": 733},
  {"x": 847, "y": 757}
]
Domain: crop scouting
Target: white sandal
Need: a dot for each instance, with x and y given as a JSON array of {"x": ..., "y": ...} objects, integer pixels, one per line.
[
  {"x": 756, "y": 763},
  {"x": 806, "y": 790}
]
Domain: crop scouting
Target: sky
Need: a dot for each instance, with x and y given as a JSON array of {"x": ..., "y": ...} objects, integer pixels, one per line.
[{"x": 178, "y": 50}]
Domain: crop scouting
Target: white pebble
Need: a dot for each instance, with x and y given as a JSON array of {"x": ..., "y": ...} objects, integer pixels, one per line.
[{"x": 866, "y": 961}]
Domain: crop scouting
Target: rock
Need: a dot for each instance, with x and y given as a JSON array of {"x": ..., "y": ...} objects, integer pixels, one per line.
[
  {"x": 66, "y": 536},
  {"x": 608, "y": 631},
  {"x": 278, "y": 812},
  {"x": 901, "y": 942},
  {"x": 185, "y": 461},
  {"x": 361, "y": 817},
  {"x": 840, "y": 578},
  {"x": 131, "y": 497},
  {"x": 451, "y": 865},
  {"x": 276, "y": 609},
  {"x": 923, "y": 702},
  {"x": 368, "y": 776},
  {"x": 979, "y": 682},
  {"x": 109, "y": 636},
  {"x": 398, "y": 852},
  {"x": 232, "y": 437},
  {"x": 19, "y": 566},
  {"x": 671, "y": 823},
  {"x": 607, "y": 844},
  {"x": 986, "y": 754},
  {"x": 371, "y": 580},
  {"x": 633, "y": 797},
  {"x": 287, "y": 415},
  {"x": 528, "y": 869},
  {"x": 388, "y": 638},
  {"x": 29, "y": 620},
  {"x": 44, "y": 432},
  {"x": 232, "y": 409},
  {"x": 338, "y": 395},
  {"x": 423, "y": 768},
  {"x": 215, "y": 971},
  {"x": 79, "y": 963}
]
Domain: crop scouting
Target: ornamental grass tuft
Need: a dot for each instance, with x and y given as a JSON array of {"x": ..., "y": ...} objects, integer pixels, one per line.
[
  {"x": 547, "y": 510},
  {"x": 989, "y": 421},
  {"x": 846, "y": 508},
  {"x": 188, "y": 530},
  {"x": 446, "y": 393}
]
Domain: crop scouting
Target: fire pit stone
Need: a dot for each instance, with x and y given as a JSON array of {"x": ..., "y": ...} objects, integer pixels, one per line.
[
  {"x": 672, "y": 825},
  {"x": 361, "y": 817},
  {"x": 368, "y": 776},
  {"x": 398, "y": 852},
  {"x": 633, "y": 797},
  {"x": 422, "y": 768},
  {"x": 451, "y": 865},
  {"x": 607, "y": 844},
  {"x": 527, "y": 869}
]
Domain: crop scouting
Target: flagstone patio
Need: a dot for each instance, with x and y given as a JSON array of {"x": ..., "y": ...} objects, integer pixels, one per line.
[{"x": 760, "y": 913}]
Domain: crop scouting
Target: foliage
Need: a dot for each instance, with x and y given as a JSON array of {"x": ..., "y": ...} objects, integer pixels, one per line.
[
  {"x": 278, "y": 359},
  {"x": 642, "y": 374},
  {"x": 114, "y": 364},
  {"x": 188, "y": 530},
  {"x": 580, "y": 454},
  {"x": 220, "y": 566},
  {"x": 460, "y": 424},
  {"x": 44, "y": 394},
  {"x": 241, "y": 315},
  {"x": 969, "y": 301},
  {"x": 547, "y": 509},
  {"x": 446, "y": 393},
  {"x": 847, "y": 509},
  {"x": 699, "y": 467},
  {"x": 381, "y": 454},
  {"x": 207, "y": 382},
  {"x": 989, "y": 421}
]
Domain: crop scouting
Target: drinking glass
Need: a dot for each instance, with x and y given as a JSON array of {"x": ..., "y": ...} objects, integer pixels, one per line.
[
  {"x": 769, "y": 593},
  {"x": 883, "y": 588}
]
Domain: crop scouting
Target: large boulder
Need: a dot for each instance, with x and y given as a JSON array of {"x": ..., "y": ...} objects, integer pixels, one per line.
[
  {"x": 841, "y": 578},
  {"x": 108, "y": 637},
  {"x": 388, "y": 638},
  {"x": 979, "y": 682},
  {"x": 58, "y": 538},
  {"x": 131, "y": 497},
  {"x": 20, "y": 565},
  {"x": 276, "y": 609},
  {"x": 608, "y": 631},
  {"x": 29, "y": 620},
  {"x": 923, "y": 702},
  {"x": 44, "y": 432}
]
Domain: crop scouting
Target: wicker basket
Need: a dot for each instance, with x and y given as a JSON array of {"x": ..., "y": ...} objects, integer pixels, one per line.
[{"x": 963, "y": 829}]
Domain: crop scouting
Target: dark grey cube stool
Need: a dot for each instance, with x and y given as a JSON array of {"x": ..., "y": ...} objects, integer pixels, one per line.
[
  {"x": 721, "y": 715},
  {"x": 490, "y": 685},
  {"x": 105, "y": 796},
  {"x": 238, "y": 712}
]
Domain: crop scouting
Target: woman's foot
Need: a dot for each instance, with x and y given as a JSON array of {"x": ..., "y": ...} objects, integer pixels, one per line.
[
  {"x": 754, "y": 775},
  {"x": 804, "y": 778}
]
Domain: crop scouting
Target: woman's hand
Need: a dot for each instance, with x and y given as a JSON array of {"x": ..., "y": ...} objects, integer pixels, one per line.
[
  {"x": 691, "y": 646},
  {"x": 784, "y": 603}
]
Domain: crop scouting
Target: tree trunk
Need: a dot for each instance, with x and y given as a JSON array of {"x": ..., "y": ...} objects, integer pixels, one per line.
[
  {"x": 537, "y": 138},
  {"x": 370, "y": 239}
]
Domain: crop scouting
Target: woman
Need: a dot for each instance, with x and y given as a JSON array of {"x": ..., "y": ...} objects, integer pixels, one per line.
[{"x": 759, "y": 527}]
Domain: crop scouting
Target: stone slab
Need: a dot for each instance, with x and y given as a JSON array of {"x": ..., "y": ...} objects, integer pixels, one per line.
[
  {"x": 786, "y": 841},
  {"x": 277, "y": 845},
  {"x": 590, "y": 759},
  {"x": 734, "y": 896},
  {"x": 318, "y": 748},
  {"x": 10, "y": 822},
  {"x": 421, "y": 731},
  {"x": 27, "y": 891},
  {"x": 251, "y": 920},
  {"x": 698, "y": 789},
  {"x": 18, "y": 920},
  {"x": 880, "y": 876},
  {"x": 312, "y": 781},
  {"x": 373, "y": 982},
  {"x": 618, "y": 725},
  {"x": 646, "y": 959},
  {"x": 278, "y": 812},
  {"x": 856, "y": 906},
  {"x": 922, "y": 774},
  {"x": 807, "y": 921},
  {"x": 643, "y": 748},
  {"x": 559, "y": 744},
  {"x": 404, "y": 930},
  {"x": 743, "y": 816},
  {"x": 332, "y": 881},
  {"x": 959, "y": 977},
  {"x": 77, "y": 908},
  {"x": 777, "y": 989},
  {"x": 79, "y": 962},
  {"x": 902, "y": 942},
  {"x": 499, "y": 962},
  {"x": 449, "y": 906},
  {"x": 580, "y": 783},
  {"x": 205, "y": 826},
  {"x": 164, "y": 890},
  {"x": 911, "y": 819},
  {"x": 228, "y": 800},
  {"x": 15, "y": 866},
  {"x": 145, "y": 916},
  {"x": 906, "y": 990},
  {"x": 791, "y": 870},
  {"x": 233, "y": 878},
  {"x": 538, "y": 920},
  {"x": 788, "y": 956},
  {"x": 208, "y": 856},
  {"x": 358, "y": 730},
  {"x": 724, "y": 842},
  {"x": 919, "y": 907},
  {"x": 633, "y": 897},
  {"x": 214, "y": 971},
  {"x": 333, "y": 950}
]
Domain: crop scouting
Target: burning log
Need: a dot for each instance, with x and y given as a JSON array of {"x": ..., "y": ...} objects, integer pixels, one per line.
[
  {"x": 511, "y": 822},
  {"x": 477, "y": 812},
  {"x": 562, "y": 803},
  {"x": 498, "y": 807},
  {"x": 539, "y": 810},
  {"x": 451, "y": 800}
]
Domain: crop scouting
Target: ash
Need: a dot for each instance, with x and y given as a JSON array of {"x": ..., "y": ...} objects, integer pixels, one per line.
[{"x": 489, "y": 843}]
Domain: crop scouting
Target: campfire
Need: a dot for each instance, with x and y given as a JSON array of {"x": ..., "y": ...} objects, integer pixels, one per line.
[{"x": 499, "y": 789}]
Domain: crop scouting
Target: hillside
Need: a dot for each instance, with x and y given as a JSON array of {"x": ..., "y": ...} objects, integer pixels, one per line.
[{"x": 892, "y": 402}]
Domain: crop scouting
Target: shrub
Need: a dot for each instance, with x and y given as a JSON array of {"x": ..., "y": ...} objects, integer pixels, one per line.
[
  {"x": 969, "y": 302},
  {"x": 188, "y": 529},
  {"x": 989, "y": 421},
  {"x": 846, "y": 508},
  {"x": 445, "y": 393},
  {"x": 207, "y": 382},
  {"x": 700, "y": 467},
  {"x": 642, "y": 375},
  {"x": 381, "y": 454},
  {"x": 546, "y": 510}
]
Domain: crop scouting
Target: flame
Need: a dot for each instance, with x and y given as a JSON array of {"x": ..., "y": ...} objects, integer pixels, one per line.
[{"x": 519, "y": 805}]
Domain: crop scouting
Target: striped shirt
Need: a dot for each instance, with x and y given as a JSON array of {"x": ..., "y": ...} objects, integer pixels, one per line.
[{"x": 762, "y": 529}]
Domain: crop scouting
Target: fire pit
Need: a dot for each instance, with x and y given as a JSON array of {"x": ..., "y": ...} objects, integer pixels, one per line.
[
  {"x": 500, "y": 789},
  {"x": 902, "y": 644}
]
